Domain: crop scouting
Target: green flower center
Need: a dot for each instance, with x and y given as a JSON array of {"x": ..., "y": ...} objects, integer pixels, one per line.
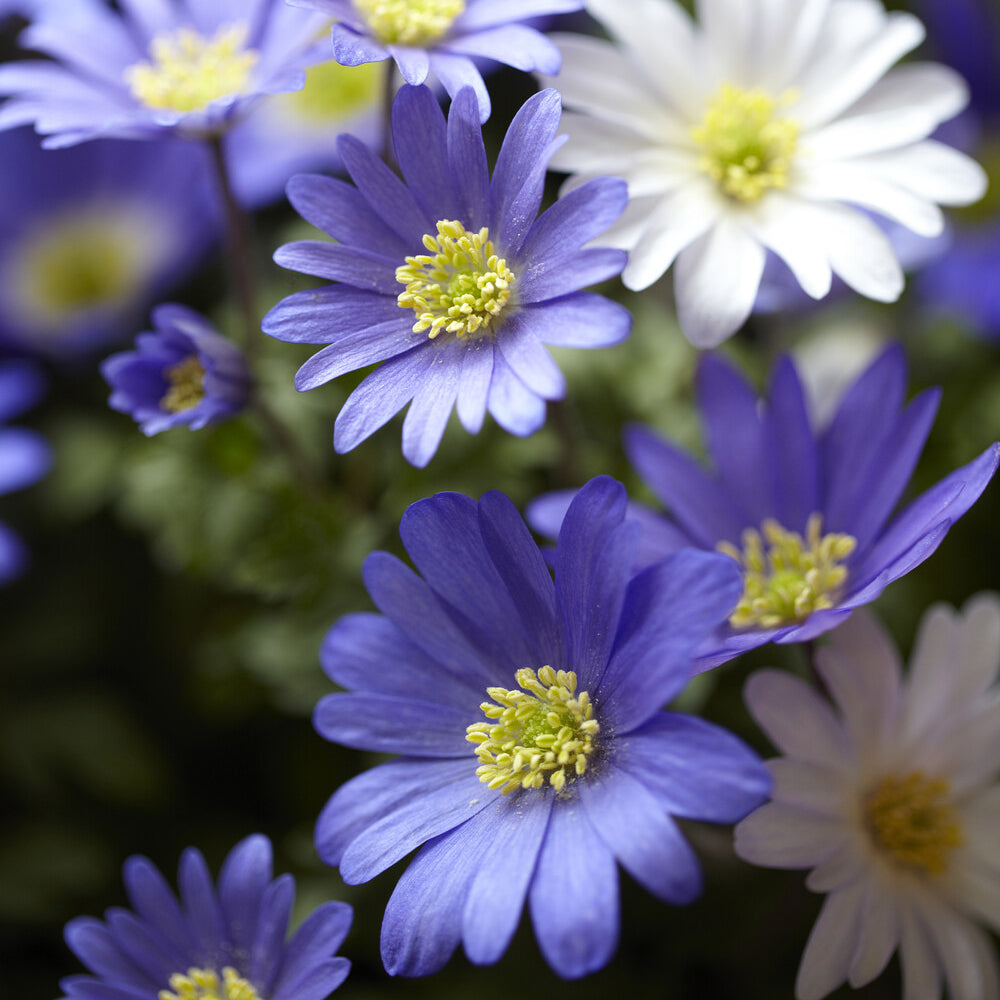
[
  {"x": 461, "y": 286},
  {"x": 911, "y": 820},
  {"x": 543, "y": 731},
  {"x": 204, "y": 984},
  {"x": 186, "y": 72},
  {"x": 787, "y": 577},
  {"x": 333, "y": 92},
  {"x": 409, "y": 22},
  {"x": 745, "y": 148},
  {"x": 187, "y": 385}
]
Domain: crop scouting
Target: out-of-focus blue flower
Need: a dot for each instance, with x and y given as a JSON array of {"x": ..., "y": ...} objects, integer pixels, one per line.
[
  {"x": 447, "y": 277},
  {"x": 226, "y": 940},
  {"x": 804, "y": 510},
  {"x": 24, "y": 455},
  {"x": 89, "y": 236},
  {"x": 443, "y": 38},
  {"x": 184, "y": 372},
  {"x": 156, "y": 66},
  {"x": 534, "y": 755}
]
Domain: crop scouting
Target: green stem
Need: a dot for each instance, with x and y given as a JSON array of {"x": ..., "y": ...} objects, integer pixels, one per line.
[{"x": 388, "y": 95}]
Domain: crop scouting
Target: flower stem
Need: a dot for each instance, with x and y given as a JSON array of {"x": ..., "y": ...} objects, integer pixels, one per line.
[{"x": 388, "y": 94}]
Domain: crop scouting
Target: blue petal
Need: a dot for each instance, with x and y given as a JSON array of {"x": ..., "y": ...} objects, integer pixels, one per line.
[
  {"x": 456, "y": 72},
  {"x": 357, "y": 348},
  {"x": 353, "y": 49},
  {"x": 419, "y": 134},
  {"x": 317, "y": 937},
  {"x": 574, "y": 895},
  {"x": 581, "y": 319},
  {"x": 335, "y": 262},
  {"x": 474, "y": 384},
  {"x": 96, "y": 947},
  {"x": 513, "y": 405},
  {"x": 316, "y": 982},
  {"x": 142, "y": 943},
  {"x": 413, "y": 63},
  {"x": 270, "y": 927},
  {"x": 520, "y": 344},
  {"x": 200, "y": 902},
  {"x": 468, "y": 169},
  {"x": 21, "y": 387},
  {"x": 515, "y": 45},
  {"x": 153, "y": 900},
  {"x": 245, "y": 876},
  {"x": 546, "y": 279},
  {"x": 24, "y": 458},
  {"x": 427, "y": 417}
]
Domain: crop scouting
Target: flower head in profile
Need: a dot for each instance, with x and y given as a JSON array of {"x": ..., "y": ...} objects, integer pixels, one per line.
[
  {"x": 224, "y": 941},
  {"x": 762, "y": 129},
  {"x": 182, "y": 372},
  {"x": 156, "y": 66},
  {"x": 891, "y": 795},
  {"x": 805, "y": 511},
  {"x": 447, "y": 276},
  {"x": 534, "y": 755},
  {"x": 443, "y": 39},
  {"x": 24, "y": 455}
]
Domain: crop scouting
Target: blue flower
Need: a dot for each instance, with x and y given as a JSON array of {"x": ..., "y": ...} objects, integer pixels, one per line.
[
  {"x": 447, "y": 276},
  {"x": 184, "y": 372},
  {"x": 443, "y": 38},
  {"x": 805, "y": 511},
  {"x": 24, "y": 455},
  {"x": 158, "y": 66},
  {"x": 535, "y": 757},
  {"x": 92, "y": 235},
  {"x": 225, "y": 941}
]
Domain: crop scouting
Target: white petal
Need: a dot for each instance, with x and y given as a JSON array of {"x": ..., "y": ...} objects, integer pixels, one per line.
[
  {"x": 931, "y": 170},
  {"x": 780, "y": 836},
  {"x": 677, "y": 221},
  {"x": 879, "y": 937},
  {"x": 921, "y": 971},
  {"x": 596, "y": 145},
  {"x": 904, "y": 107},
  {"x": 979, "y": 644},
  {"x": 788, "y": 33},
  {"x": 971, "y": 750},
  {"x": 974, "y": 887},
  {"x": 847, "y": 864},
  {"x": 831, "y": 945},
  {"x": 728, "y": 33},
  {"x": 808, "y": 786},
  {"x": 980, "y": 822},
  {"x": 954, "y": 940},
  {"x": 929, "y": 686},
  {"x": 716, "y": 282}
]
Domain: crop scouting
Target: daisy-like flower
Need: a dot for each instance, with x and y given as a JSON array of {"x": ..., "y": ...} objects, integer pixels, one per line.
[
  {"x": 217, "y": 942},
  {"x": 24, "y": 455},
  {"x": 443, "y": 38},
  {"x": 760, "y": 130},
  {"x": 156, "y": 66},
  {"x": 891, "y": 795},
  {"x": 805, "y": 511},
  {"x": 447, "y": 277},
  {"x": 534, "y": 755},
  {"x": 183, "y": 372}
]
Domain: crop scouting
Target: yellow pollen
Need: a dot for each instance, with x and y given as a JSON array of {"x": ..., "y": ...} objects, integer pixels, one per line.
[
  {"x": 187, "y": 388},
  {"x": 203, "y": 984},
  {"x": 186, "y": 72},
  {"x": 544, "y": 730},
  {"x": 409, "y": 22},
  {"x": 787, "y": 577},
  {"x": 460, "y": 287},
  {"x": 745, "y": 149},
  {"x": 911, "y": 820}
]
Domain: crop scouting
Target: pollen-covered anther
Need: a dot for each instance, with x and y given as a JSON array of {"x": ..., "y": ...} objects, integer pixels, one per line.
[
  {"x": 543, "y": 732},
  {"x": 459, "y": 287},
  {"x": 745, "y": 148},
  {"x": 204, "y": 984},
  {"x": 409, "y": 22},
  {"x": 187, "y": 385},
  {"x": 787, "y": 577},
  {"x": 912, "y": 821},
  {"x": 186, "y": 72}
]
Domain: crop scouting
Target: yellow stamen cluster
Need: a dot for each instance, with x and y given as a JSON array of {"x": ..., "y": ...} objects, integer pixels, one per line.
[
  {"x": 911, "y": 820},
  {"x": 333, "y": 92},
  {"x": 187, "y": 385},
  {"x": 203, "y": 984},
  {"x": 745, "y": 149},
  {"x": 186, "y": 72},
  {"x": 409, "y": 22},
  {"x": 461, "y": 286},
  {"x": 545, "y": 730},
  {"x": 787, "y": 577}
]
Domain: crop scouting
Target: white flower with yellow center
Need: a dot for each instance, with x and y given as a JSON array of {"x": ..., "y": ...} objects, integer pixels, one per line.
[
  {"x": 891, "y": 797},
  {"x": 762, "y": 129}
]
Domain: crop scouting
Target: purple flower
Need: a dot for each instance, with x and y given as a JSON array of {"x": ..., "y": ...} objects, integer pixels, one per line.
[
  {"x": 157, "y": 66},
  {"x": 534, "y": 755},
  {"x": 464, "y": 325},
  {"x": 443, "y": 38},
  {"x": 216, "y": 940},
  {"x": 24, "y": 455},
  {"x": 805, "y": 511},
  {"x": 182, "y": 373}
]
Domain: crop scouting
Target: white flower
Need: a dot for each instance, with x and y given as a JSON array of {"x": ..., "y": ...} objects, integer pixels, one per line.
[
  {"x": 893, "y": 802},
  {"x": 761, "y": 129}
]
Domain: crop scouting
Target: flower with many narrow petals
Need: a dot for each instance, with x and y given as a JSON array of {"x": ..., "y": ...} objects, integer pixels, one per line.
[
  {"x": 761, "y": 130},
  {"x": 447, "y": 277},
  {"x": 217, "y": 942},
  {"x": 183, "y": 372},
  {"x": 891, "y": 795},
  {"x": 534, "y": 755},
  {"x": 443, "y": 39},
  {"x": 804, "y": 510},
  {"x": 155, "y": 66}
]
